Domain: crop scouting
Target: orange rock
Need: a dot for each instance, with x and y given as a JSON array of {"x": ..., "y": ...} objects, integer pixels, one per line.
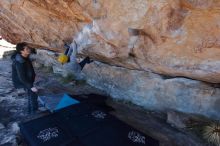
[{"x": 176, "y": 38}]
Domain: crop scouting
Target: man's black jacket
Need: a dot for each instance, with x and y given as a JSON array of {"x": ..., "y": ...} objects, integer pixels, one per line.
[{"x": 23, "y": 74}]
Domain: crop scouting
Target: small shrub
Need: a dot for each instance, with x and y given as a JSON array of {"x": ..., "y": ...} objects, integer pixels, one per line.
[{"x": 212, "y": 133}]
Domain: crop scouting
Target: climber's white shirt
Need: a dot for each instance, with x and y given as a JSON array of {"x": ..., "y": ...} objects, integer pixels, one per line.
[
  {"x": 79, "y": 42},
  {"x": 72, "y": 51},
  {"x": 73, "y": 66}
]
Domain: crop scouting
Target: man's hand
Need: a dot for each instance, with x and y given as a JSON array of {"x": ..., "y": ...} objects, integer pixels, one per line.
[{"x": 34, "y": 89}]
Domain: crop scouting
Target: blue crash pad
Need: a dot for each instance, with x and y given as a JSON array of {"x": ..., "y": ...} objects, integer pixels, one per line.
[
  {"x": 66, "y": 101},
  {"x": 54, "y": 102}
]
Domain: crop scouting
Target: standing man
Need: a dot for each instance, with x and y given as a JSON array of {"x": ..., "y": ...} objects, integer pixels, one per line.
[{"x": 23, "y": 75}]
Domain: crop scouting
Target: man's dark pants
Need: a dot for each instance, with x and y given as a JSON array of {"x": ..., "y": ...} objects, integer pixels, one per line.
[{"x": 32, "y": 101}]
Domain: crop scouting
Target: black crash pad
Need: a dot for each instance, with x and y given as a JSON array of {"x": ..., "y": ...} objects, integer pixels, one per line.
[
  {"x": 45, "y": 131},
  {"x": 94, "y": 99},
  {"x": 83, "y": 125},
  {"x": 98, "y": 128},
  {"x": 117, "y": 135},
  {"x": 83, "y": 122}
]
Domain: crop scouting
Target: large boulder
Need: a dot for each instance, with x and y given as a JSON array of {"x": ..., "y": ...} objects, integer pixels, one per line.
[{"x": 155, "y": 92}]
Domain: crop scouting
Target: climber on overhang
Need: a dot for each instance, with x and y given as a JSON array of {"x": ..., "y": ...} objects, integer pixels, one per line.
[
  {"x": 70, "y": 56},
  {"x": 71, "y": 50}
]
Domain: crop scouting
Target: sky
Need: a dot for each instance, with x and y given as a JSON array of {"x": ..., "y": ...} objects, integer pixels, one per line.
[{"x": 5, "y": 46}]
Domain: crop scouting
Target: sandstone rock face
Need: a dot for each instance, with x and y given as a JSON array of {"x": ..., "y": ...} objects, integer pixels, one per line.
[
  {"x": 154, "y": 92},
  {"x": 45, "y": 23},
  {"x": 175, "y": 38}
]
